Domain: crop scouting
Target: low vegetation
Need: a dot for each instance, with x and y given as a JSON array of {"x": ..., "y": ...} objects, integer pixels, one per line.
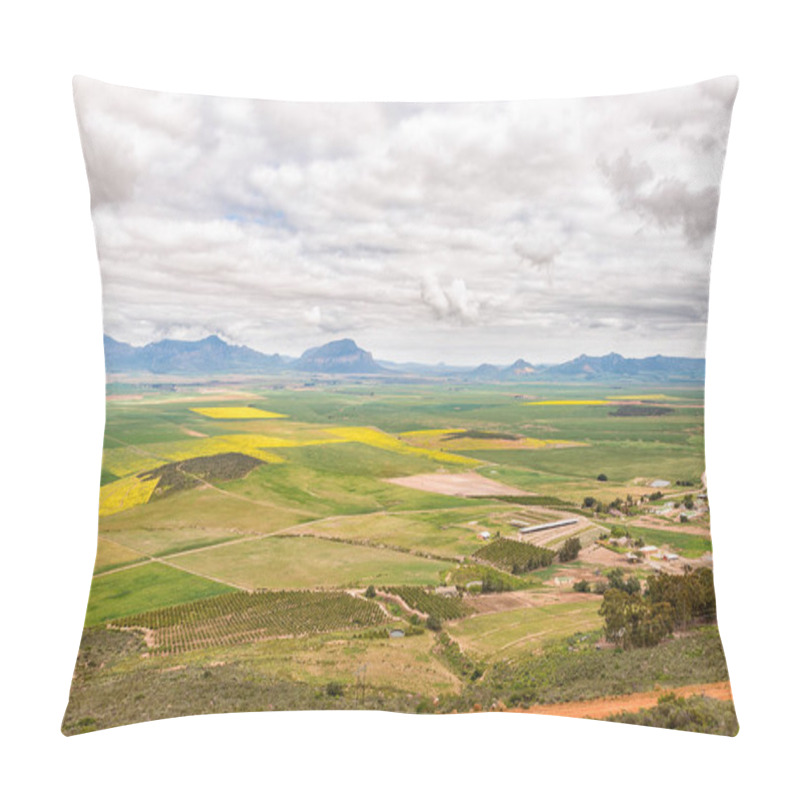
[
  {"x": 482, "y": 578},
  {"x": 192, "y": 472},
  {"x": 696, "y": 713},
  {"x": 641, "y": 411}
]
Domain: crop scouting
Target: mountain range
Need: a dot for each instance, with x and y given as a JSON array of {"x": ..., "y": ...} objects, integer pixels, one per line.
[{"x": 212, "y": 355}]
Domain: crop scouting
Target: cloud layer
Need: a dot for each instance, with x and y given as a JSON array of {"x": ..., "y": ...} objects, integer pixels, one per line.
[{"x": 436, "y": 232}]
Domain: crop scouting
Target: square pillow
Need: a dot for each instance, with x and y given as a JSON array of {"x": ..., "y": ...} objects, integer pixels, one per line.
[{"x": 404, "y": 407}]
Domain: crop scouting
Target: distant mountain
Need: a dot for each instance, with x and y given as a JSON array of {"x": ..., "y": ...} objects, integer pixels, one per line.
[
  {"x": 520, "y": 369},
  {"x": 212, "y": 355},
  {"x": 341, "y": 356},
  {"x": 170, "y": 356},
  {"x": 614, "y": 365}
]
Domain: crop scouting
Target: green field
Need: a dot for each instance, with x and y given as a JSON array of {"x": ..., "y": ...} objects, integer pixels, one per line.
[
  {"x": 144, "y": 588},
  {"x": 285, "y": 562},
  {"x": 302, "y": 503},
  {"x": 527, "y": 629}
]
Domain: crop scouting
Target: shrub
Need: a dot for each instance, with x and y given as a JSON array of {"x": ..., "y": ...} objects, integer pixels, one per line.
[
  {"x": 433, "y": 623},
  {"x": 602, "y": 477},
  {"x": 582, "y": 586},
  {"x": 589, "y": 502},
  {"x": 334, "y": 689},
  {"x": 370, "y": 591}
]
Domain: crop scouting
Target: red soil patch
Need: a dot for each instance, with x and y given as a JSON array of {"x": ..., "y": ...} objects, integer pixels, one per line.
[{"x": 603, "y": 707}]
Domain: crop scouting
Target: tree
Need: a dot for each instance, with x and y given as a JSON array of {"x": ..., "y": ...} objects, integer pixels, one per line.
[
  {"x": 370, "y": 591},
  {"x": 602, "y": 477},
  {"x": 635, "y": 621},
  {"x": 570, "y": 549},
  {"x": 691, "y": 596},
  {"x": 589, "y": 502},
  {"x": 582, "y": 586}
]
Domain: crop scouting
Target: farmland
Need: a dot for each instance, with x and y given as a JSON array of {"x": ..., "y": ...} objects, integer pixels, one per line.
[{"x": 289, "y": 539}]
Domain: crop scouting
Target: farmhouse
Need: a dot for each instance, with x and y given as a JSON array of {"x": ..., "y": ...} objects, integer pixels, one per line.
[{"x": 447, "y": 591}]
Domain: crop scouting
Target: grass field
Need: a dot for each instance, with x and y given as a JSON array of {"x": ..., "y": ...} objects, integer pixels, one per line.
[
  {"x": 144, "y": 588},
  {"x": 506, "y": 632},
  {"x": 284, "y": 562}
]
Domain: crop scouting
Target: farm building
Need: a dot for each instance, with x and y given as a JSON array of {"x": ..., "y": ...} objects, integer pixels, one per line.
[
  {"x": 648, "y": 549},
  {"x": 545, "y": 526},
  {"x": 447, "y": 591},
  {"x": 671, "y": 557},
  {"x": 485, "y": 535}
]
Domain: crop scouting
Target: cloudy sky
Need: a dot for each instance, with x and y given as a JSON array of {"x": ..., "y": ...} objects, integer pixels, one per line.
[{"x": 464, "y": 232}]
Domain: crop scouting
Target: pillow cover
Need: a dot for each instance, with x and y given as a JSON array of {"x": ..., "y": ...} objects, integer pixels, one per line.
[{"x": 404, "y": 407}]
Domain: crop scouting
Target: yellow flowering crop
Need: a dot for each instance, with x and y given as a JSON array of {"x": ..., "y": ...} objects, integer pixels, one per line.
[
  {"x": 124, "y": 493},
  {"x": 236, "y": 412}
]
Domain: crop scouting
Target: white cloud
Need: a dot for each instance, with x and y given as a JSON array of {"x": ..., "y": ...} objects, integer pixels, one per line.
[{"x": 535, "y": 229}]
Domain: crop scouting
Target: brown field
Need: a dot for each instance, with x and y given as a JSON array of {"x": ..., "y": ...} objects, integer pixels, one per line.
[
  {"x": 508, "y": 601},
  {"x": 462, "y": 484}
]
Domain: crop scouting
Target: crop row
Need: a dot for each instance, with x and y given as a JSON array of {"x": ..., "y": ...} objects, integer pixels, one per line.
[
  {"x": 430, "y": 603},
  {"x": 240, "y": 617}
]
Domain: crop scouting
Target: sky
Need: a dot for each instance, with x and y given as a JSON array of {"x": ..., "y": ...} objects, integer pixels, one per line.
[{"x": 460, "y": 233}]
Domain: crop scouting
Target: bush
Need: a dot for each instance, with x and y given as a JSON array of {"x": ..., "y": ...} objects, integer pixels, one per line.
[
  {"x": 589, "y": 502},
  {"x": 433, "y": 623},
  {"x": 334, "y": 689},
  {"x": 370, "y": 591},
  {"x": 582, "y": 586},
  {"x": 602, "y": 477}
]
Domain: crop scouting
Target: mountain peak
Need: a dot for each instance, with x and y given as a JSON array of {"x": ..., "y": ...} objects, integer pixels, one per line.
[{"x": 339, "y": 356}]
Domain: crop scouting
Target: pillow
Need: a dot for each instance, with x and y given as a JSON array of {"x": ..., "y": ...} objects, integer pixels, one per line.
[{"x": 404, "y": 407}]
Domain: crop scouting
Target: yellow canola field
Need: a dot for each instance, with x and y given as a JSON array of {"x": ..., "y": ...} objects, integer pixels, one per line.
[
  {"x": 384, "y": 441},
  {"x": 124, "y": 493},
  {"x": 236, "y": 412},
  {"x": 511, "y": 444},
  {"x": 567, "y": 403}
]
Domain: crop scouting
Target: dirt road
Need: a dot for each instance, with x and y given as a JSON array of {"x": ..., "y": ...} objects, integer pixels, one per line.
[{"x": 603, "y": 707}]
